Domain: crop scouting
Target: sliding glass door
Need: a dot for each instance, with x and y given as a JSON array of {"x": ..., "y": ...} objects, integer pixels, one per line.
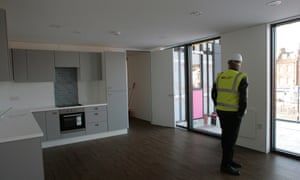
[
  {"x": 179, "y": 86},
  {"x": 195, "y": 66},
  {"x": 286, "y": 83},
  {"x": 202, "y": 63}
]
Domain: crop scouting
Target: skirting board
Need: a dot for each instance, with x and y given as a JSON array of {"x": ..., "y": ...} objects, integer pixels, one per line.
[{"x": 64, "y": 141}]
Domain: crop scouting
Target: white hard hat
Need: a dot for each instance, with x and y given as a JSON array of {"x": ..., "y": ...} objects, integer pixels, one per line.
[{"x": 236, "y": 57}]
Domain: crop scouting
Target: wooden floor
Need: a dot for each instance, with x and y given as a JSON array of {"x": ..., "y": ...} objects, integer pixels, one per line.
[{"x": 156, "y": 153}]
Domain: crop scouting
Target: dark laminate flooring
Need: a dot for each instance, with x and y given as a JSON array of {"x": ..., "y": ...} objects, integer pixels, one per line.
[{"x": 156, "y": 153}]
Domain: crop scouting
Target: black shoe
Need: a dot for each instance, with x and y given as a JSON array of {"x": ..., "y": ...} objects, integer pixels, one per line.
[
  {"x": 235, "y": 165},
  {"x": 230, "y": 170}
]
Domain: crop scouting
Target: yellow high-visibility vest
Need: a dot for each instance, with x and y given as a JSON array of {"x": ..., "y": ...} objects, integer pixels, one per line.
[{"x": 227, "y": 84}]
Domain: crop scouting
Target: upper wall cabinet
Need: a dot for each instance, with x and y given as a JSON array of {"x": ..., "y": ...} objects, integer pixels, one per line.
[
  {"x": 40, "y": 65},
  {"x": 66, "y": 59},
  {"x": 33, "y": 65},
  {"x": 5, "y": 61},
  {"x": 19, "y": 57},
  {"x": 90, "y": 66}
]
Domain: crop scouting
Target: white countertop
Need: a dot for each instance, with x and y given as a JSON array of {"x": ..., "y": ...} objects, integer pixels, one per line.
[
  {"x": 51, "y": 108},
  {"x": 21, "y": 124},
  {"x": 18, "y": 125}
]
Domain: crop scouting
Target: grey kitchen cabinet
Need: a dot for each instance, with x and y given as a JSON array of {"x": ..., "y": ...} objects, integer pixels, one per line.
[
  {"x": 19, "y": 57},
  {"x": 117, "y": 110},
  {"x": 40, "y": 118},
  {"x": 117, "y": 93},
  {"x": 22, "y": 159},
  {"x": 96, "y": 119},
  {"x": 53, "y": 125},
  {"x": 116, "y": 71},
  {"x": 33, "y": 65},
  {"x": 5, "y": 61},
  {"x": 40, "y": 65},
  {"x": 66, "y": 59},
  {"x": 90, "y": 66}
]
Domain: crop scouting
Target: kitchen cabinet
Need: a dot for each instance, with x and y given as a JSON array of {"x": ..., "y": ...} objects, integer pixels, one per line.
[
  {"x": 5, "y": 61},
  {"x": 90, "y": 66},
  {"x": 22, "y": 159},
  {"x": 20, "y": 65},
  {"x": 41, "y": 120},
  {"x": 20, "y": 147},
  {"x": 53, "y": 125},
  {"x": 66, "y": 59},
  {"x": 33, "y": 65},
  {"x": 40, "y": 65},
  {"x": 117, "y": 95},
  {"x": 117, "y": 110},
  {"x": 96, "y": 119},
  {"x": 116, "y": 71}
]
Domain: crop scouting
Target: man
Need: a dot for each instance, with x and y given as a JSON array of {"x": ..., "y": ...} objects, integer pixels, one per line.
[{"x": 229, "y": 94}]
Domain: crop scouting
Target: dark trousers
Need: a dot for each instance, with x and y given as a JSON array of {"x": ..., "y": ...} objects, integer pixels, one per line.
[{"x": 230, "y": 124}]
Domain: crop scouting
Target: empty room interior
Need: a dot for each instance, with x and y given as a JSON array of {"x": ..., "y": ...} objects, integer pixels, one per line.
[{"x": 112, "y": 90}]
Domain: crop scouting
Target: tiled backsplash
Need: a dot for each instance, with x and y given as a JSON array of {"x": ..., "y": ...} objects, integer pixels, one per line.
[{"x": 65, "y": 86}]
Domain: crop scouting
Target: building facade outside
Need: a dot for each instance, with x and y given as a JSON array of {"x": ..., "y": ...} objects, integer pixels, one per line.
[{"x": 287, "y": 85}]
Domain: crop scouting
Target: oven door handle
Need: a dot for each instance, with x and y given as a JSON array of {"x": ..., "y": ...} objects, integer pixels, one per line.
[{"x": 72, "y": 115}]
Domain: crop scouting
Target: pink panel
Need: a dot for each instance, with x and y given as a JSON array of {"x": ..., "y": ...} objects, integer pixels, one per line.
[{"x": 197, "y": 104}]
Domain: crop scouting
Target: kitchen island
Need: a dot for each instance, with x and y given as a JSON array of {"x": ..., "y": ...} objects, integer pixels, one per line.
[
  {"x": 20, "y": 147},
  {"x": 23, "y": 132}
]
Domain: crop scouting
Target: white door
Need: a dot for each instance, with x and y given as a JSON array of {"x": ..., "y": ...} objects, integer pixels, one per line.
[{"x": 162, "y": 88}]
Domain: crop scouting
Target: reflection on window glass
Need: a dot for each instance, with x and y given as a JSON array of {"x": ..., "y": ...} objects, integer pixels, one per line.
[
  {"x": 179, "y": 86},
  {"x": 196, "y": 66},
  {"x": 287, "y": 88}
]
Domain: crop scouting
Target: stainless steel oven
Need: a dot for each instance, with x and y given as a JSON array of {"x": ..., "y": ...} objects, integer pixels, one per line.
[{"x": 71, "y": 119}]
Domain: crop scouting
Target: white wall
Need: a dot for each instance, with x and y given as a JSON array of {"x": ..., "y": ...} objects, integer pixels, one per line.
[
  {"x": 26, "y": 95},
  {"x": 252, "y": 43},
  {"x": 41, "y": 95},
  {"x": 139, "y": 71}
]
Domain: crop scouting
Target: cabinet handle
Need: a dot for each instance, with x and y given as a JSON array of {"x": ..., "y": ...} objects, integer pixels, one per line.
[
  {"x": 96, "y": 114},
  {"x": 97, "y": 124}
]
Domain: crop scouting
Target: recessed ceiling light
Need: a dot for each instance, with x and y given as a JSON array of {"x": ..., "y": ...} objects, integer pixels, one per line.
[
  {"x": 274, "y": 3},
  {"x": 116, "y": 33},
  {"x": 196, "y": 13}
]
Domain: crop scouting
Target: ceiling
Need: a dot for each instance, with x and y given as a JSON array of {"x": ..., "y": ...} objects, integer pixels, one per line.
[{"x": 136, "y": 24}]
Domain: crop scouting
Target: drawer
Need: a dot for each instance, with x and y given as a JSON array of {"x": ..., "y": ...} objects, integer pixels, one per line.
[
  {"x": 96, "y": 127},
  {"x": 95, "y": 116},
  {"x": 95, "y": 108}
]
